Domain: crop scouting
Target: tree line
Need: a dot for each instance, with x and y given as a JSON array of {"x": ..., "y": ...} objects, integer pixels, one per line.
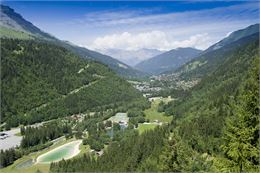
[{"x": 39, "y": 135}]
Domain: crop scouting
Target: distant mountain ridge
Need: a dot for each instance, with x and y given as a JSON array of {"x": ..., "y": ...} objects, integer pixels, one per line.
[
  {"x": 169, "y": 60},
  {"x": 234, "y": 36},
  {"x": 13, "y": 25},
  {"x": 209, "y": 59},
  {"x": 132, "y": 57},
  {"x": 119, "y": 67},
  {"x": 10, "y": 19}
]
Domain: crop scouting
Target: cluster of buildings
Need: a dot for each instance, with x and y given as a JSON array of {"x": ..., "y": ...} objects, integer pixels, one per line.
[
  {"x": 120, "y": 118},
  {"x": 174, "y": 81},
  {"x": 145, "y": 87}
]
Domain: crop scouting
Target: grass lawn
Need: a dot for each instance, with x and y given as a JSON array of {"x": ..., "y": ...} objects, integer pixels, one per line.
[
  {"x": 18, "y": 134},
  {"x": 42, "y": 167},
  {"x": 152, "y": 113},
  {"x": 83, "y": 150},
  {"x": 144, "y": 127}
]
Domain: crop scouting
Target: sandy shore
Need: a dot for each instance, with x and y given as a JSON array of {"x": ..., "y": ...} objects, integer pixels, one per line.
[{"x": 75, "y": 151}]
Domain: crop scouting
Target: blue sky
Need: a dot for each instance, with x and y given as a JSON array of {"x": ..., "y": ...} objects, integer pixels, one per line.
[{"x": 135, "y": 25}]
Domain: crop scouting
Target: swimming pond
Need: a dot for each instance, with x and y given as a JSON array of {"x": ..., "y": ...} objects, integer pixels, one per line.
[{"x": 65, "y": 151}]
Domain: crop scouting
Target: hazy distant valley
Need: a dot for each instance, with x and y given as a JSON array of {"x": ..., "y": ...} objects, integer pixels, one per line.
[{"x": 132, "y": 57}]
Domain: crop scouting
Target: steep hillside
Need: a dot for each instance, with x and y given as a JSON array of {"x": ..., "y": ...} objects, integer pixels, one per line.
[
  {"x": 11, "y": 19},
  {"x": 202, "y": 114},
  {"x": 13, "y": 25},
  {"x": 120, "y": 68},
  {"x": 210, "y": 59},
  {"x": 41, "y": 81},
  {"x": 170, "y": 60},
  {"x": 234, "y": 36}
]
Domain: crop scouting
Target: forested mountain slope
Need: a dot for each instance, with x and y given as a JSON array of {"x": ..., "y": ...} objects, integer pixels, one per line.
[
  {"x": 41, "y": 81},
  {"x": 234, "y": 36},
  {"x": 215, "y": 127},
  {"x": 227, "y": 95},
  {"x": 167, "y": 61},
  {"x": 13, "y": 25},
  {"x": 210, "y": 59},
  {"x": 120, "y": 68}
]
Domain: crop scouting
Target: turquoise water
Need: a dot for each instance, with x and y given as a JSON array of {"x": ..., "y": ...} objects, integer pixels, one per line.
[{"x": 58, "y": 154}]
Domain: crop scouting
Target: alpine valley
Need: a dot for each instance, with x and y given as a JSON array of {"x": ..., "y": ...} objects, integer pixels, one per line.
[{"x": 66, "y": 108}]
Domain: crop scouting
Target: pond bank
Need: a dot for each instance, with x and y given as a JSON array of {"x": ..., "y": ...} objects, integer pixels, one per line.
[{"x": 65, "y": 151}]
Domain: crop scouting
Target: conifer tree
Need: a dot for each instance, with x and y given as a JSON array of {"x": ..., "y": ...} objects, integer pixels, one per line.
[{"x": 241, "y": 147}]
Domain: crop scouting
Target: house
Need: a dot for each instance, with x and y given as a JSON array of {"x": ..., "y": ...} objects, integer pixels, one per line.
[{"x": 100, "y": 153}]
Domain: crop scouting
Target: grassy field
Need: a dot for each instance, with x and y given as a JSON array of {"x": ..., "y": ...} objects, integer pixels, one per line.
[
  {"x": 152, "y": 113},
  {"x": 144, "y": 127},
  {"x": 83, "y": 150},
  {"x": 41, "y": 167},
  {"x": 10, "y": 33}
]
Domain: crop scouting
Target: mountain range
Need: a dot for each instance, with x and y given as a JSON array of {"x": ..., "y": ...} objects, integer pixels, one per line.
[
  {"x": 132, "y": 57},
  {"x": 13, "y": 25},
  {"x": 169, "y": 60},
  {"x": 210, "y": 59},
  {"x": 172, "y": 61}
]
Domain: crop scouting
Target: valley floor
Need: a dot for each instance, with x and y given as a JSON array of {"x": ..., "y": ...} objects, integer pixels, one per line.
[{"x": 30, "y": 163}]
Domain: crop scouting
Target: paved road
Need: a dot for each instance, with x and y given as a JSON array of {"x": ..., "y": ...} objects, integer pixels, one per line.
[{"x": 11, "y": 140}]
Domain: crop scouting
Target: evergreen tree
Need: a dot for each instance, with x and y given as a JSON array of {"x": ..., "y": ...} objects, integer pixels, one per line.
[{"x": 241, "y": 136}]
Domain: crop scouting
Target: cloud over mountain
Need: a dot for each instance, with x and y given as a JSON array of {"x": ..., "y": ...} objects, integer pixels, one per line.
[{"x": 153, "y": 40}]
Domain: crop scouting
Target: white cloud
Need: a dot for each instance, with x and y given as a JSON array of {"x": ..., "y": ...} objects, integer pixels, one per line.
[
  {"x": 166, "y": 31},
  {"x": 199, "y": 41},
  {"x": 129, "y": 41},
  {"x": 152, "y": 40},
  {"x": 126, "y": 28}
]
